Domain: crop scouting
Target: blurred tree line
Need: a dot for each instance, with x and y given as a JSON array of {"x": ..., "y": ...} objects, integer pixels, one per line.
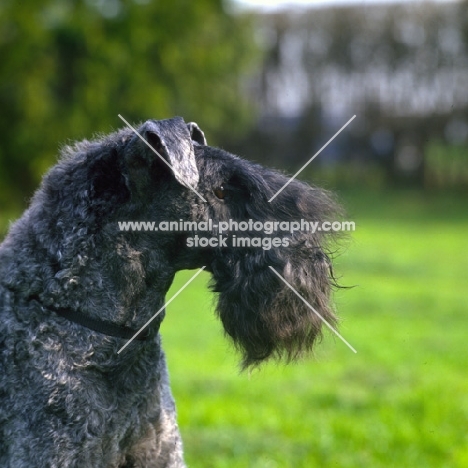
[
  {"x": 401, "y": 68},
  {"x": 68, "y": 67}
]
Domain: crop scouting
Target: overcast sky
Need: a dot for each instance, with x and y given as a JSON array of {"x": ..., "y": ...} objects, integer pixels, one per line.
[{"x": 275, "y": 4}]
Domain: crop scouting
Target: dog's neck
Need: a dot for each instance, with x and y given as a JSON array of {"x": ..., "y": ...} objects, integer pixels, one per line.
[{"x": 119, "y": 286}]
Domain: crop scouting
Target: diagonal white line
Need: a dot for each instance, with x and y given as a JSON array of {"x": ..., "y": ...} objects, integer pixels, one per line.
[
  {"x": 313, "y": 310},
  {"x": 155, "y": 152},
  {"x": 161, "y": 309},
  {"x": 312, "y": 158}
]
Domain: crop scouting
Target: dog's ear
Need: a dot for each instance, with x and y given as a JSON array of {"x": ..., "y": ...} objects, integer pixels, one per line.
[
  {"x": 171, "y": 141},
  {"x": 198, "y": 137}
]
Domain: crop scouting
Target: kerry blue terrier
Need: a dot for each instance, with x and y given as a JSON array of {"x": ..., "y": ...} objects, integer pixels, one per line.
[{"x": 75, "y": 287}]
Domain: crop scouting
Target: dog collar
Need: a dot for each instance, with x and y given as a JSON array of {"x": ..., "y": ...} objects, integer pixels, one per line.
[{"x": 102, "y": 326}]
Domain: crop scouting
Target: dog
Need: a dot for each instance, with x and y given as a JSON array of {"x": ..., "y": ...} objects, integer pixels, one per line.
[{"x": 76, "y": 288}]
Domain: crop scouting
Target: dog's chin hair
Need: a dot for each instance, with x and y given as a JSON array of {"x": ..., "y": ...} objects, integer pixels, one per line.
[{"x": 264, "y": 318}]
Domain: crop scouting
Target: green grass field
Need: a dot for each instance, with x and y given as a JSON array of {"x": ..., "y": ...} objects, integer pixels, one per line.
[{"x": 401, "y": 401}]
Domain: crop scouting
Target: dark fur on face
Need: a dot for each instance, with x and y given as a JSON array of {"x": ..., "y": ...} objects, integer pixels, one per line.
[{"x": 262, "y": 315}]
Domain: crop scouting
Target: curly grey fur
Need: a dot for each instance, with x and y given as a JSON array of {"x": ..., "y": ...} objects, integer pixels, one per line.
[{"x": 67, "y": 399}]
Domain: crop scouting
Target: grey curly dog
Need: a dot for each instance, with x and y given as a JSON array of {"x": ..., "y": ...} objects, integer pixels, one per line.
[{"x": 75, "y": 287}]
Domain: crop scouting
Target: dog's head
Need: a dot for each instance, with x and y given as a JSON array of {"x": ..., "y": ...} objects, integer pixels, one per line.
[
  {"x": 273, "y": 287},
  {"x": 273, "y": 284}
]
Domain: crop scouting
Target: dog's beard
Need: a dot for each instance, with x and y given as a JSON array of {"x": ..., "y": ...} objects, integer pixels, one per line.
[{"x": 264, "y": 317}]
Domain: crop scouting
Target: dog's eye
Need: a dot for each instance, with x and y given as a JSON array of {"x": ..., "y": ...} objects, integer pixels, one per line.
[{"x": 220, "y": 192}]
